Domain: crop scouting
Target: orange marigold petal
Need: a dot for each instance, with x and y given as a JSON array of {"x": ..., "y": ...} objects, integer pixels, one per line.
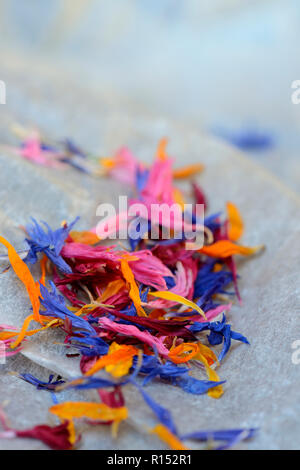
[
  {"x": 85, "y": 237},
  {"x": 117, "y": 354},
  {"x": 23, "y": 273},
  {"x": 226, "y": 248},
  {"x": 43, "y": 263},
  {"x": 97, "y": 411},
  {"x": 134, "y": 293},
  {"x": 215, "y": 392},
  {"x": 169, "y": 438},
  {"x": 235, "y": 222},
  {"x": 178, "y": 354},
  {"x": 161, "y": 149},
  {"x": 187, "y": 171}
]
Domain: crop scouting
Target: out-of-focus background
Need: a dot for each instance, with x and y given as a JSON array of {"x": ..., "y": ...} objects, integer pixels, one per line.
[{"x": 223, "y": 66}]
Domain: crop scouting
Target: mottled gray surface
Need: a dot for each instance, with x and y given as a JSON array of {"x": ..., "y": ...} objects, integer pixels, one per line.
[{"x": 262, "y": 386}]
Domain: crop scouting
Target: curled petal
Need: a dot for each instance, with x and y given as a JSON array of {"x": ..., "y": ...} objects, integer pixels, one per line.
[
  {"x": 23, "y": 273},
  {"x": 225, "y": 248}
]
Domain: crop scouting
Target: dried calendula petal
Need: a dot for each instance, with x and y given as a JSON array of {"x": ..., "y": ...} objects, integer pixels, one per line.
[
  {"x": 187, "y": 171},
  {"x": 107, "y": 288},
  {"x": 167, "y": 295},
  {"x": 134, "y": 293},
  {"x": 226, "y": 248},
  {"x": 118, "y": 360},
  {"x": 98, "y": 411},
  {"x": 235, "y": 222},
  {"x": 178, "y": 198},
  {"x": 121, "y": 366},
  {"x": 85, "y": 237},
  {"x": 68, "y": 411},
  {"x": 112, "y": 288},
  {"x": 161, "y": 149},
  {"x": 184, "y": 352},
  {"x": 24, "y": 332},
  {"x": 208, "y": 357},
  {"x": 43, "y": 263}
]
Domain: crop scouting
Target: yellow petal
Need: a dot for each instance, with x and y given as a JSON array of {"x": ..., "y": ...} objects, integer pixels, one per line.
[
  {"x": 118, "y": 360},
  {"x": 167, "y": 295},
  {"x": 112, "y": 288},
  {"x": 24, "y": 332},
  {"x": 161, "y": 149}
]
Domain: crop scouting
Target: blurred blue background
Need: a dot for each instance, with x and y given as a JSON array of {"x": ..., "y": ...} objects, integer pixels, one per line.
[{"x": 223, "y": 66}]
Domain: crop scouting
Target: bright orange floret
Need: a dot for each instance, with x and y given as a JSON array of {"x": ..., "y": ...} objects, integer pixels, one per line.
[
  {"x": 22, "y": 271},
  {"x": 183, "y": 353}
]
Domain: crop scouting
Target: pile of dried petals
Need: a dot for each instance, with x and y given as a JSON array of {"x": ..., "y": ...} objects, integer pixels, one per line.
[{"x": 134, "y": 314}]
